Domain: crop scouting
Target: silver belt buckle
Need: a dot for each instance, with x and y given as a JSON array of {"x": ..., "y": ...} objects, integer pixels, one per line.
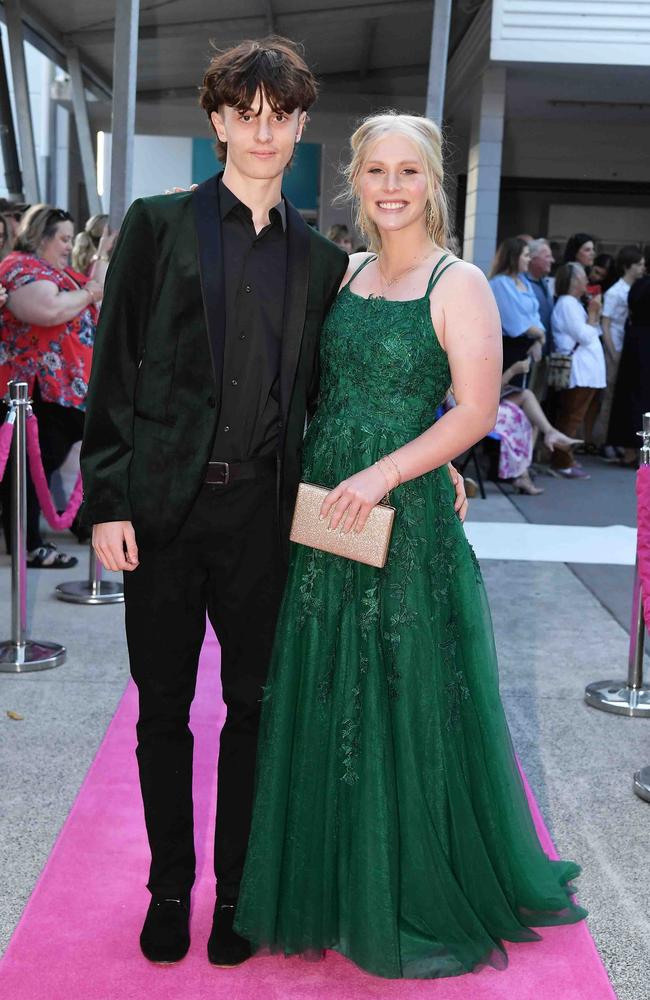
[{"x": 225, "y": 466}]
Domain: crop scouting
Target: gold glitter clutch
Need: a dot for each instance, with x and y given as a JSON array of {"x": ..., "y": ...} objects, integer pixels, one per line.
[{"x": 369, "y": 546}]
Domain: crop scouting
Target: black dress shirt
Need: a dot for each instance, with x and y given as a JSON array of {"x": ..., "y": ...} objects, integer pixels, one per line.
[{"x": 255, "y": 276}]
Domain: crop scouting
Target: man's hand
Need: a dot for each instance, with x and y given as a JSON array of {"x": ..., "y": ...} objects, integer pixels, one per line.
[
  {"x": 461, "y": 503},
  {"x": 535, "y": 351},
  {"x": 114, "y": 545}
]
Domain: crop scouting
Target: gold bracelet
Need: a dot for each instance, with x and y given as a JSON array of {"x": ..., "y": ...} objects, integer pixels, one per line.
[
  {"x": 387, "y": 479},
  {"x": 390, "y": 471},
  {"x": 398, "y": 472}
]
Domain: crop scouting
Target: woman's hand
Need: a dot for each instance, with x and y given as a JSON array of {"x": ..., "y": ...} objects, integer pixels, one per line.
[
  {"x": 94, "y": 290},
  {"x": 106, "y": 242},
  {"x": 3, "y": 296},
  {"x": 594, "y": 309},
  {"x": 520, "y": 367},
  {"x": 461, "y": 503},
  {"x": 353, "y": 499}
]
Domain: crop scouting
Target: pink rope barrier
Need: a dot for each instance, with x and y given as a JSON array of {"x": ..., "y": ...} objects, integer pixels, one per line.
[
  {"x": 6, "y": 436},
  {"x": 643, "y": 536},
  {"x": 59, "y": 522}
]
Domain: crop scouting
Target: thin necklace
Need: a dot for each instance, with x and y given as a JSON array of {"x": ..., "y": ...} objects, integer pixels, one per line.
[{"x": 387, "y": 284}]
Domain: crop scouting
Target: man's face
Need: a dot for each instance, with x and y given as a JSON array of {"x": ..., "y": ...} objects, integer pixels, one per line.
[
  {"x": 542, "y": 262},
  {"x": 260, "y": 140},
  {"x": 637, "y": 270}
]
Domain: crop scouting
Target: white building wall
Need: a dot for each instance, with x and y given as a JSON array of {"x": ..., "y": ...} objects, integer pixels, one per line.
[
  {"x": 159, "y": 163},
  {"x": 615, "y": 33}
]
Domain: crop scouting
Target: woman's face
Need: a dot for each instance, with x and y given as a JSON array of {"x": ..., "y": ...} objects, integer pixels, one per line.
[
  {"x": 56, "y": 250},
  {"x": 392, "y": 184},
  {"x": 524, "y": 261},
  {"x": 586, "y": 254},
  {"x": 578, "y": 281},
  {"x": 597, "y": 274}
]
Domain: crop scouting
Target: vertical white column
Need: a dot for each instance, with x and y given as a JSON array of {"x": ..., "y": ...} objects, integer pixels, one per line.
[
  {"x": 438, "y": 60},
  {"x": 484, "y": 168},
  {"x": 125, "y": 65},
  {"x": 62, "y": 158}
]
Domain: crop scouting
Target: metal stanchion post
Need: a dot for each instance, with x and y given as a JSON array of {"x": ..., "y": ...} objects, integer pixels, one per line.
[
  {"x": 20, "y": 654},
  {"x": 631, "y": 697},
  {"x": 94, "y": 590}
]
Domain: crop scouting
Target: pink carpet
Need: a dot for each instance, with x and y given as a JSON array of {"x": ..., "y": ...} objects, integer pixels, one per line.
[{"x": 78, "y": 936}]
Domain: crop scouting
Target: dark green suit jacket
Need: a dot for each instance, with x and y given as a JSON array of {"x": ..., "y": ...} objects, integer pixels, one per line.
[{"x": 155, "y": 387}]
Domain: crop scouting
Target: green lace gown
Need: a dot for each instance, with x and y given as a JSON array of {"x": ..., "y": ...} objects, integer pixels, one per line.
[{"x": 390, "y": 820}]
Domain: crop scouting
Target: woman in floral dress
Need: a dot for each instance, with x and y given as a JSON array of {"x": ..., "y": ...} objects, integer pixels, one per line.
[{"x": 47, "y": 335}]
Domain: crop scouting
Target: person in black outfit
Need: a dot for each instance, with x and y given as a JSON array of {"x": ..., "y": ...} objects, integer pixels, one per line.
[
  {"x": 203, "y": 372},
  {"x": 632, "y": 392}
]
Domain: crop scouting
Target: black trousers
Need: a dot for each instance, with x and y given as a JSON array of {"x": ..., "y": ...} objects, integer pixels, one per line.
[
  {"x": 226, "y": 560},
  {"x": 59, "y": 427}
]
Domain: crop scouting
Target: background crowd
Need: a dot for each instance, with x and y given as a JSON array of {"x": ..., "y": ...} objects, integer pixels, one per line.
[
  {"x": 576, "y": 339},
  {"x": 575, "y": 336}
]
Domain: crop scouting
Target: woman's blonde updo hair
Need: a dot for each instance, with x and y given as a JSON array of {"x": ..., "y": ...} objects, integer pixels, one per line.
[
  {"x": 86, "y": 243},
  {"x": 427, "y": 138}
]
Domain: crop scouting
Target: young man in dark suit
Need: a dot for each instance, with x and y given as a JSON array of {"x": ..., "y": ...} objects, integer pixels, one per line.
[{"x": 204, "y": 368}]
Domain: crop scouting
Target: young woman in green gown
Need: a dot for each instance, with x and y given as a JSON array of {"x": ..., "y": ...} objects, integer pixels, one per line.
[{"x": 390, "y": 821}]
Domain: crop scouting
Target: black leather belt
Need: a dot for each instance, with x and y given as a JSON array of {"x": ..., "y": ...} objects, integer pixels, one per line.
[{"x": 222, "y": 473}]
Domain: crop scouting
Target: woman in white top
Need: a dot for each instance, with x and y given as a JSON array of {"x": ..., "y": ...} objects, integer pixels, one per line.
[{"x": 577, "y": 332}]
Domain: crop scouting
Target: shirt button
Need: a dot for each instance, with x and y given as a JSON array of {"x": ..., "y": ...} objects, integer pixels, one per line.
[
  {"x": 226, "y": 429},
  {"x": 248, "y": 288},
  {"x": 234, "y": 382},
  {"x": 242, "y": 336}
]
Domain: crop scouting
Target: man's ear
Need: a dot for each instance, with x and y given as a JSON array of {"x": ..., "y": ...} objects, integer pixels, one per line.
[
  {"x": 302, "y": 121},
  {"x": 218, "y": 125}
]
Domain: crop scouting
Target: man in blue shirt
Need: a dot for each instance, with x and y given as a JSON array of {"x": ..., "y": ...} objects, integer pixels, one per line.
[{"x": 541, "y": 262}]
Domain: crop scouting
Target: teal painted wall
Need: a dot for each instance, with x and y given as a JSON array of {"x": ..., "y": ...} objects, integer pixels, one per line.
[{"x": 301, "y": 184}]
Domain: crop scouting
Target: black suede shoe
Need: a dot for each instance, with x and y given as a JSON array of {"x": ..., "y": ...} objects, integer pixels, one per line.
[
  {"x": 225, "y": 947},
  {"x": 165, "y": 935}
]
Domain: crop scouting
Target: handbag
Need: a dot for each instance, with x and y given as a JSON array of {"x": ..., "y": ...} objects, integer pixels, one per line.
[
  {"x": 559, "y": 369},
  {"x": 369, "y": 546}
]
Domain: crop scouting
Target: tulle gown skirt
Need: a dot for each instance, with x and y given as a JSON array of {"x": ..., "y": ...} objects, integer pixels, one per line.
[{"x": 390, "y": 820}]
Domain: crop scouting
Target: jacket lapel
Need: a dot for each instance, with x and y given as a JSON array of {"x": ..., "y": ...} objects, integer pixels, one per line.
[
  {"x": 295, "y": 303},
  {"x": 208, "y": 230}
]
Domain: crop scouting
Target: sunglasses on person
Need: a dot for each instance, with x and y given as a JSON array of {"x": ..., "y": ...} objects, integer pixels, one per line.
[{"x": 58, "y": 215}]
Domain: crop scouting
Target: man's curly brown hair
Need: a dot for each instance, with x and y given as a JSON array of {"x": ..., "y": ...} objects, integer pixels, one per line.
[{"x": 274, "y": 65}]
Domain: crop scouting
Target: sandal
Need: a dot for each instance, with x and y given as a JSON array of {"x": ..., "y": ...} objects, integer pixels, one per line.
[
  {"x": 47, "y": 556},
  {"x": 524, "y": 484}
]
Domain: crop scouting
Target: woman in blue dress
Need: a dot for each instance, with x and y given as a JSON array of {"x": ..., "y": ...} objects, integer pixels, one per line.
[{"x": 521, "y": 322}]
